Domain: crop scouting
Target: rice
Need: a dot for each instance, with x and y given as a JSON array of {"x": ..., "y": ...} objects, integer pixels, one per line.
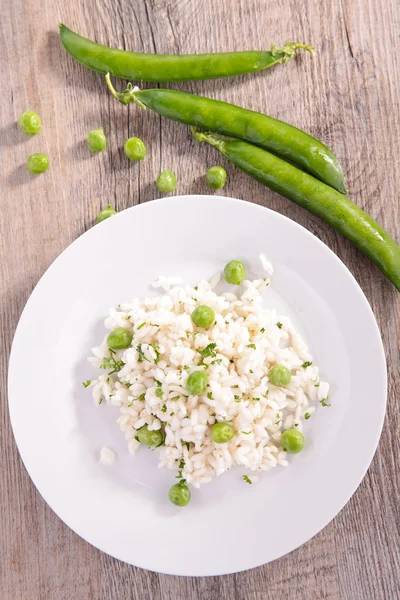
[{"x": 147, "y": 381}]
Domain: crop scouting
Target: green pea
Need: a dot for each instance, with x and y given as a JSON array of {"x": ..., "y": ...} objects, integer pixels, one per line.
[
  {"x": 222, "y": 433},
  {"x": 216, "y": 178},
  {"x": 179, "y": 494},
  {"x": 108, "y": 211},
  {"x": 196, "y": 383},
  {"x": 29, "y": 123},
  {"x": 234, "y": 272},
  {"x": 280, "y": 376},
  {"x": 203, "y": 316},
  {"x": 166, "y": 181},
  {"x": 292, "y": 441},
  {"x": 151, "y": 438},
  {"x": 134, "y": 148},
  {"x": 37, "y": 163},
  {"x": 96, "y": 140},
  {"x": 119, "y": 339}
]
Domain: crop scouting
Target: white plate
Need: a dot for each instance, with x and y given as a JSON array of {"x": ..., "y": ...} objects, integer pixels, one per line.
[{"x": 123, "y": 509}]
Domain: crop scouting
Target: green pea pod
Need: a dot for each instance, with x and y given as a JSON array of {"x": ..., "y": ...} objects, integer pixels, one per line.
[
  {"x": 213, "y": 115},
  {"x": 171, "y": 67},
  {"x": 334, "y": 208}
]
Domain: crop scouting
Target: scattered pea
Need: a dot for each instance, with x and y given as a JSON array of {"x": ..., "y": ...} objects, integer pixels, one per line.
[
  {"x": 166, "y": 181},
  {"x": 119, "y": 339},
  {"x": 292, "y": 441},
  {"x": 234, "y": 272},
  {"x": 222, "y": 433},
  {"x": 29, "y": 123},
  {"x": 151, "y": 438},
  {"x": 37, "y": 163},
  {"x": 134, "y": 148},
  {"x": 196, "y": 383},
  {"x": 96, "y": 140},
  {"x": 280, "y": 376},
  {"x": 108, "y": 211},
  {"x": 216, "y": 177},
  {"x": 203, "y": 316},
  {"x": 179, "y": 494}
]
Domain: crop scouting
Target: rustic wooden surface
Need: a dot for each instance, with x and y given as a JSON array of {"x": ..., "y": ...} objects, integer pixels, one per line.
[{"x": 347, "y": 95}]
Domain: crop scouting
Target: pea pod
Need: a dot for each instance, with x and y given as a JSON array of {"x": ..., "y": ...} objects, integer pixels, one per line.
[
  {"x": 171, "y": 67},
  {"x": 334, "y": 208},
  {"x": 274, "y": 135}
]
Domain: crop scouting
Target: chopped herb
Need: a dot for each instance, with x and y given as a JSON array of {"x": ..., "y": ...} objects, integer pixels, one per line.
[
  {"x": 128, "y": 318},
  {"x": 208, "y": 351},
  {"x": 171, "y": 414},
  {"x": 237, "y": 398},
  {"x": 196, "y": 287},
  {"x": 159, "y": 394},
  {"x": 262, "y": 330},
  {"x": 296, "y": 424},
  {"x": 251, "y": 371},
  {"x": 86, "y": 383},
  {"x": 316, "y": 384},
  {"x": 141, "y": 353},
  {"x": 251, "y": 346},
  {"x": 247, "y": 479},
  {"x": 279, "y": 324},
  {"x": 156, "y": 349},
  {"x": 195, "y": 299},
  {"x": 159, "y": 384},
  {"x": 175, "y": 398},
  {"x": 130, "y": 404},
  {"x": 111, "y": 363},
  {"x": 307, "y": 416},
  {"x": 246, "y": 432},
  {"x": 186, "y": 367},
  {"x": 210, "y": 396},
  {"x": 142, "y": 397},
  {"x": 256, "y": 399},
  {"x": 278, "y": 422},
  {"x": 164, "y": 408},
  {"x": 324, "y": 402},
  {"x": 141, "y": 326},
  {"x": 187, "y": 444},
  {"x": 306, "y": 364},
  {"x": 217, "y": 361},
  {"x": 154, "y": 325}
]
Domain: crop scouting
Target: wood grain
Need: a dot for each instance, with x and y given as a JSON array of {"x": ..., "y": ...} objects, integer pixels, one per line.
[{"x": 347, "y": 95}]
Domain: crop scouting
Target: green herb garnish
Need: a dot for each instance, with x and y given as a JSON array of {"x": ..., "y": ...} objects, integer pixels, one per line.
[
  {"x": 141, "y": 326},
  {"x": 279, "y": 324},
  {"x": 86, "y": 383},
  {"x": 307, "y": 416},
  {"x": 324, "y": 402},
  {"x": 306, "y": 364},
  {"x": 262, "y": 330},
  {"x": 251, "y": 346},
  {"x": 247, "y": 479},
  {"x": 164, "y": 408}
]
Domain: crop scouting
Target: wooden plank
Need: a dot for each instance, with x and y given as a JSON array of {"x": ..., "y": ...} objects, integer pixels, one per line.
[{"x": 348, "y": 95}]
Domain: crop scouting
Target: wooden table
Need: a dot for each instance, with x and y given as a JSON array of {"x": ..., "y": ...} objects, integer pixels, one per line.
[{"x": 347, "y": 95}]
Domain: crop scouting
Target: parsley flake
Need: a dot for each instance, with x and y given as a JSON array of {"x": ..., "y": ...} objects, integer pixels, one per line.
[
  {"x": 247, "y": 479},
  {"x": 210, "y": 396},
  {"x": 251, "y": 346},
  {"x": 306, "y": 364},
  {"x": 324, "y": 402},
  {"x": 164, "y": 408},
  {"x": 279, "y": 324},
  {"x": 262, "y": 330},
  {"x": 307, "y": 416},
  {"x": 141, "y": 326},
  {"x": 237, "y": 398},
  {"x": 86, "y": 383}
]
